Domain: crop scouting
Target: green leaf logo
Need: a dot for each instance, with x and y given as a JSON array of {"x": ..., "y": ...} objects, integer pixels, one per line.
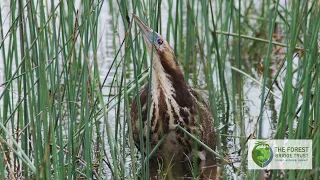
[{"x": 262, "y": 154}]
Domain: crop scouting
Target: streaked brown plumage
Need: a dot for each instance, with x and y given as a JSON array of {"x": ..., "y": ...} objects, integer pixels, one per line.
[{"x": 173, "y": 103}]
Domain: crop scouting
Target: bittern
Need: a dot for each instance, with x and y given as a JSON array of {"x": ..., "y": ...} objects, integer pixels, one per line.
[{"x": 173, "y": 103}]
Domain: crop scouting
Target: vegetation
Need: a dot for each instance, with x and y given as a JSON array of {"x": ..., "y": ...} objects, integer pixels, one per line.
[{"x": 69, "y": 71}]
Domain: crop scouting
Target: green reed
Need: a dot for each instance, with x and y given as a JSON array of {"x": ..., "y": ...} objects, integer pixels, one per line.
[
  {"x": 56, "y": 123},
  {"x": 50, "y": 89}
]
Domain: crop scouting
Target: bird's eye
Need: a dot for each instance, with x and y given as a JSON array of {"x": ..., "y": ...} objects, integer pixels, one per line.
[{"x": 160, "y": 41}]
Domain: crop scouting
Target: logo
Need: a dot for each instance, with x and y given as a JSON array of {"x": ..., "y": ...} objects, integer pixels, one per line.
[
  {"x": 280, "y": 154},
  {"x": 262, "y": 154}
]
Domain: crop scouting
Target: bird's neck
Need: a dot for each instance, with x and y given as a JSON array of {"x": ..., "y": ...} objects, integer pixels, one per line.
[{"x": 168, "y": 82}]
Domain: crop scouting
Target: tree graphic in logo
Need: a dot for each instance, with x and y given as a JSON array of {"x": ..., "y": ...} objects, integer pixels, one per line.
[{"x": 262, "y": 154}]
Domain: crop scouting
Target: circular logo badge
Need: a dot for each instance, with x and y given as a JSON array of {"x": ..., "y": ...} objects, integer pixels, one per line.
[{"x": 262, "y": 154}]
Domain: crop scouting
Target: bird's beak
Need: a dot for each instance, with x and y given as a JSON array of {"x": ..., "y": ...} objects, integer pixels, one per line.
[{"x": 148, "y": 33}]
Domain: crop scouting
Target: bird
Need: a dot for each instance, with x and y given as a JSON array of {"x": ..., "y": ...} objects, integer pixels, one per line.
[{"x": 173, "y": 103}]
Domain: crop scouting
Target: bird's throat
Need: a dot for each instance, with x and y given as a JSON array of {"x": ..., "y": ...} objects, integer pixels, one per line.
[
  {"x": 161, "y": 81},
  {"x": 169, "y": 92}
]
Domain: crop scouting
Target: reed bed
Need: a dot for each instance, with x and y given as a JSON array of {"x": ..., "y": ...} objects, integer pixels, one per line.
[{"x": 63, "y": 116}]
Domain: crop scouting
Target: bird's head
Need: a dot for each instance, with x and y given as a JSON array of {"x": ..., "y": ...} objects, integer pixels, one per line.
[{"x": 162, "y": 51}]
